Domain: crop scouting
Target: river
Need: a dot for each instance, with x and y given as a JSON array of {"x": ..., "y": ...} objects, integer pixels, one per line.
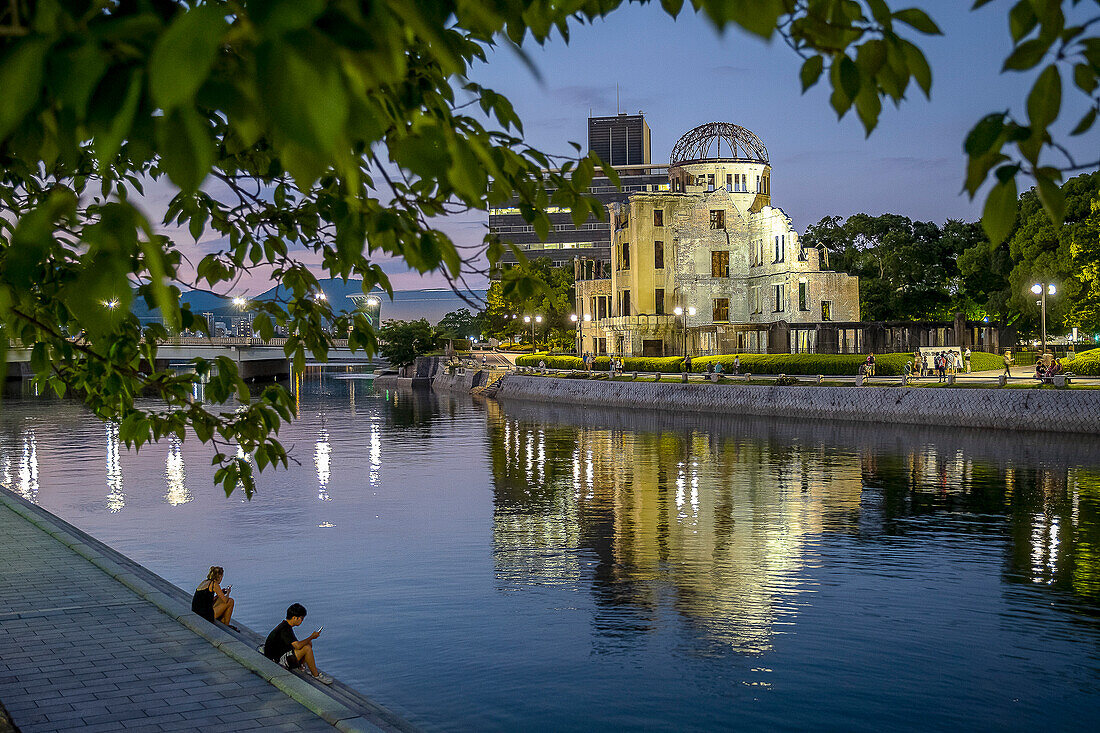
[{"x": 486, "y": 566}]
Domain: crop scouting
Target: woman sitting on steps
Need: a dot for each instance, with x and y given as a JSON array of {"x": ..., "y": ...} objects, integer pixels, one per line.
[{"x": 211, "y": 601}]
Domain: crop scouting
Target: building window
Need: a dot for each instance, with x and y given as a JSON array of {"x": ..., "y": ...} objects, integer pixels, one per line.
[
  {"x": 710, "y": 181},
  {"x": 659, "y": 301},
  {"x": 721, "y": 310},
  {"x": 803, "y": 299},
  {"x": 758, "y": 184},
  {"x": 778, "y": 298},
  {"x": 624, "y": 256},
  {"x": 729, "y": 181},
  {"x": 756, "y": 305},
  {"x": 658, "y": 255},
  {"x": 718, "y": 219},
  {"x": 720, "y": 264},
  {"x": 624, "y": 303},
  {"x": 780, "y": 247},
  {"x": 826, "y": 310},
  {"x": 601, "y": 302},
  {"x": 658, "y": 217}
]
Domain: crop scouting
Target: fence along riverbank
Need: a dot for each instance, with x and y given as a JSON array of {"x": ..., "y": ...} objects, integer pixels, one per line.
[{"x": 1064, "y": 411}]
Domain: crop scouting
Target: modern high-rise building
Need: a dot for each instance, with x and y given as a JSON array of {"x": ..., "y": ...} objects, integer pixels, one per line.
[{"x": 622, "y": 141}]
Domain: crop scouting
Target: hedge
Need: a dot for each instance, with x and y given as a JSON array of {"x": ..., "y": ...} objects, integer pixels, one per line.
[
  {"x": 829, "y": 364},
  {"x": 1086, "y": 363}
]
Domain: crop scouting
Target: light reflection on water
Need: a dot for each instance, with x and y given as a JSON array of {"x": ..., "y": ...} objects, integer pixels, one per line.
[{"x": 486, "y": 566}]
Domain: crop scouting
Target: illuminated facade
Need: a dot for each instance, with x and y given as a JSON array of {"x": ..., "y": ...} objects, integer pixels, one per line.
[{"x": 709, "y": 266}]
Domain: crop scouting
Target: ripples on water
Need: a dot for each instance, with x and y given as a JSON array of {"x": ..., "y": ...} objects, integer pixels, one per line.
[{"x": 483, "y": 566}]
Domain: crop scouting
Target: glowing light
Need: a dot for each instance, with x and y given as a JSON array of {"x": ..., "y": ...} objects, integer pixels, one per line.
[
  {"x": 678, "y": 311},
  {"x": 573, "y": 317},
  {"x": 321, "y": 456},
  {"x": 110, "y": 304},
  {"x": 116, "y": 498},
  {"x": 320, "y": 296},
  {"x": 1037, "y": 288},
  {"x": 175, "y": 477},
  {"x": 240, "y": 302}
]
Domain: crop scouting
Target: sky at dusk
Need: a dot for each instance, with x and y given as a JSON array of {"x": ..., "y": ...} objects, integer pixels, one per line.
[{"x": 682, "y": 73}]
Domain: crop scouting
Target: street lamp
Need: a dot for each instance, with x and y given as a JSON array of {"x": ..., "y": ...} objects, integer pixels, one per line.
[
  {"x": 683, "y": 325},
  {"x": 1043, "y": 290},
  {"x": 111, "y": 304}
]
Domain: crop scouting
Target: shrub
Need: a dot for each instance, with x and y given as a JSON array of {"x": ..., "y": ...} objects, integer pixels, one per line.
[
  {"x": 1085, "y": 363},
  {"x": 559, "y": 361}
]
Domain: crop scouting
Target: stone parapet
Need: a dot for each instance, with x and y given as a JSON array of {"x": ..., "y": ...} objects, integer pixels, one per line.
[{"x": 1068, "y": 411}]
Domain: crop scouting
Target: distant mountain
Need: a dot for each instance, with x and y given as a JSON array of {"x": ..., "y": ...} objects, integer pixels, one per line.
[{"x": 407, "y": 305}]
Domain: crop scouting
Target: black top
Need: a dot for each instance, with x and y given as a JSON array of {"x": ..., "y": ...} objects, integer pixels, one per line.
[
  {"x": 279, "y": 641},
  {"x": 203, "y": 603}
]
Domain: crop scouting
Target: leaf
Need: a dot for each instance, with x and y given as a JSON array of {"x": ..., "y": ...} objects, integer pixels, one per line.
[
  {"x": 21, "y": 81},
  {"x": 1021, "y": 20},
  {"x": 121, "y": 118},
  {"x": 999, "y": 213},
  {"x": 1052, "y": 198},
  {"x": 848, "y": 75},
  {"x": 1026, "y": 55},
  {"x": 918, "y": 19},
  {"x": 184, "y": 55},
  {"x": 918, "y": 67},
  {"x": 811, "y": 71},
  {"x": 1045, "y": 99},
  {"x": 672, "y": 7},
  {"x": 868, "y": 106},
  {"x": 1084, "y": 76},
  {"x": 186, "y": 149},
  {"x": 1086, "y": 123},
  {"x": 983, "y": 135}
]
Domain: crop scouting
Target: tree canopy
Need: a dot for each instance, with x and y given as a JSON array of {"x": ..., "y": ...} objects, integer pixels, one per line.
[
  {"x": 918, "y": 270},
  {"x": 345, "y": 129},
  {"x": 400, "y": 342},
  {"x": 506, "y": 304}
]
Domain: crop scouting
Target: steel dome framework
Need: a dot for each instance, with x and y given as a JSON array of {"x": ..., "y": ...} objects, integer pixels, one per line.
[{"x": 696, "y": 144}]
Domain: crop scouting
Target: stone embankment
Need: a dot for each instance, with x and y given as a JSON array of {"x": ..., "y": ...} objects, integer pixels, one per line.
[{"x": 1073, "y": 411}]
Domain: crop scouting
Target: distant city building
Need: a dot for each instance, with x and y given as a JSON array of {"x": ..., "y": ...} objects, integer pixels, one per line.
[
  {"x": 716, "y": 249},
  {"x": 622, "y": 141}
]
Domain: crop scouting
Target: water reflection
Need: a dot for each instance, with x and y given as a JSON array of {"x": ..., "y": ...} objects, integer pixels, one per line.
[
  {"x": 22, "y": 477},
  {"x": 714, "y": 529},
  {"x": 116, "y": 499},
  {"x": 175, "y": 477},
  {"x": 321, "y": 455}
]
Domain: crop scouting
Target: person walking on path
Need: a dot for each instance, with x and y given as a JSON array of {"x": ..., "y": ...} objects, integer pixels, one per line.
[
  {"x": 282, "y": 645},
  {"x": 870, "y": 371},
  {"x": 966, "y": 359},
  {"x": 1007, "y": 359},
  {"x": 737, "y": 365},
  {"x": 211, "y": 601}
]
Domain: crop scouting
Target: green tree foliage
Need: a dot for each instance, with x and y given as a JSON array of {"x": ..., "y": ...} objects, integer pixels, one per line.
[
  {"x": 907, "y": 270},
  {"x": 999, "y": 277},
  {"x": 530, "y": 288},
  {"x": 1085, "y": 250},
  {"x": 400, "y": 342},
  {"x": 460, "y": 324},
  {"x": 347, "y": 128}
]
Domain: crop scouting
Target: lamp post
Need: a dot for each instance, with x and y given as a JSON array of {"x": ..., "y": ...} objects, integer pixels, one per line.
[
  {"x": 532, "y": 321},
  {"x": 577, "y": 335},
  {"x": 683, "y": 326},
  {"x": 1043, "y": 289}
]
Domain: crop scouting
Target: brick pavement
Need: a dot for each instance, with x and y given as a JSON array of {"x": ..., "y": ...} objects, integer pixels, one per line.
[{"x": 79, "y": 650}]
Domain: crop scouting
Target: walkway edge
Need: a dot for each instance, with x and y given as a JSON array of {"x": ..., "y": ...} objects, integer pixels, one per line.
[{"x": 119, "y": 567}]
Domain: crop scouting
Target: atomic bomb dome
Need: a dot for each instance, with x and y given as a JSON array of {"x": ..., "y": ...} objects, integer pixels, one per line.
[
  {"x": 722, "y": 155},
  {"x": 698, "y": 144}
]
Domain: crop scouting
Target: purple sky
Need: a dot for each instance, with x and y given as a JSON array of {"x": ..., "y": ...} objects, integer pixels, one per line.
[{"x": 682, "y": 73}]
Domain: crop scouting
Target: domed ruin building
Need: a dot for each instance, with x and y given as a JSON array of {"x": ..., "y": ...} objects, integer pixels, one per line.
[{"x": 710, "y": 266}]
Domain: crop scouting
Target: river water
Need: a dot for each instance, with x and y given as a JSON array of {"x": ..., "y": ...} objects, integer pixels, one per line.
[{"x": 485, "y": 566}]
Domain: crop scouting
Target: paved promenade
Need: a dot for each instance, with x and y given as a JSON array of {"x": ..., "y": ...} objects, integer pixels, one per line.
[{"x": 88, "y": 642}]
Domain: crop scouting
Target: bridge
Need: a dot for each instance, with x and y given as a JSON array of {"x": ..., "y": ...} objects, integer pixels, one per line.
[{"x": 255, "y": 358}]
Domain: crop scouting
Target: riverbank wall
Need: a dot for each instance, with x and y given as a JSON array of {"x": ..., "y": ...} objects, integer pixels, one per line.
[{"x": 1063, "y": 411}]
